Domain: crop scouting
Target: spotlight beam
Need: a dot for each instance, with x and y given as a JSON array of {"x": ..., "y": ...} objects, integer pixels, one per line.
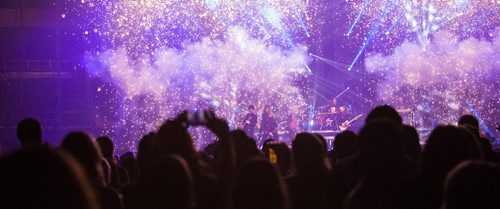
[
  {"x": 481, "y": 121},
  {"x": 358, "y": 17},
  {"x": 321, "y": 95},
  {"x": 330, "y": 62},
  {"x": 375, "y": 30},
  {"x": 399, "y": 18},
  {"x": 300, "y": 20}
]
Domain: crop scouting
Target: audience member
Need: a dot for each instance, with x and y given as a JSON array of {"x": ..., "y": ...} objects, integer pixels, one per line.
[
  {"x": 81, "y": 146},
  {"x": 322, "y": 139},
  {"x": 471, "y": 123},
  {"x": 473, "y": 184},
  {"x": 108, "y": 149},
  {"x": 245, "y": 147},
  {"x": 144, "y": 150},
  {"x": 166, "y": 183},
  {"x": 384, "y": 111},
  {"x": 129, "y": 164},
  {"x": 44, "y": 179},
  {"x": 445, "y": 148},
  {"x": 279, "y": 154},
  {"x": 29, "y": 133},
  {"x": 258, "y": 186},
  {"x": 380, "y": 162},
  {"x": 411, "y": 142},
  {"x": 308, "y": 184},
  {"x": 383, "y": 167},
  {"x": 344, "y": 145},
  {"x": 173, "y": 138}
]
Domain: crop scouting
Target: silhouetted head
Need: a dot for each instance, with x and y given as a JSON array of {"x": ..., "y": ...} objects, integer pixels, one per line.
[
  {"x": 322, "y": 140},
  {"x": 29, "y": 131},
  {"x": 144, "y": 149},
  {"x": 245, "y": 147},
  {"x": 129, "y": 163},
  {"x": 445, "y": 148},
  {"x": 106, "y": 145},
  {"x": 473, "y": 145},
  {"x": 44, "y": 179},
  {"x": 166, "y": 183},
  {"x": 471, "y": 123},
  {"x": 381, "y": 140},
  {"x": 411, "y": 142},
  {"x": 81, "y": 146},
  {"x": 173, "y": 138},
  {"x": 308, "y": 152},
  {"x": 384, "y": 111},
  {"x": 345, "y": 144},
  {"x": 127, "y": 155},
  {"x": 258, "y": 186},
  {"x": 473, "y": 184},
  {"x": 468, "y": 120}
]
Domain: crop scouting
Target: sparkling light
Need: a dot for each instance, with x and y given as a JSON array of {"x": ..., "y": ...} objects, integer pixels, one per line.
[
  {"x": 436, "y": 54},
  {"x": 423, "y": 17},
  {"x": 144, "y": 25},
  {"x": 158, "y": 57},
  {"x": 226, "y": 76},
  {"x": 447, "y": 72}
]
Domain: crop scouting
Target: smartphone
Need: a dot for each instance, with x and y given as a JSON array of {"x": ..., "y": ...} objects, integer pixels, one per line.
[
  {"x": 196, "y": 117},
  {"x": 199, "y": 117}
]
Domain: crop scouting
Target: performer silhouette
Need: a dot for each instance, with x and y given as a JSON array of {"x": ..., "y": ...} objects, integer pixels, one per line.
[{"x": 250, "y": 121}]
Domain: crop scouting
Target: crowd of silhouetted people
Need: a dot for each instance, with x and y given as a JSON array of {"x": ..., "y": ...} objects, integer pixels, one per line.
[{"x": 384, "y": 166}]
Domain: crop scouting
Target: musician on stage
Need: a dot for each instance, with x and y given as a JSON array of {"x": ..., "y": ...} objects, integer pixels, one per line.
[
  {"x": 268, "y": 125},
  {"x": 337, "y": 115},
  {"x": 250, "y": 121},
  {"x": 333, "y": 107},
  {"x": 331, "y": 119}
]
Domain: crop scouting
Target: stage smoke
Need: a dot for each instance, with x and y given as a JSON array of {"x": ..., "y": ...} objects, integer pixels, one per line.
[
  {"x": 441, "y": 75},
  {"x": 224, "y": 75}
]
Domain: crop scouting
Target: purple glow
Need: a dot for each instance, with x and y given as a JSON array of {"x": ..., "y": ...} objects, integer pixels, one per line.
[{"x": 120, "y": 67}]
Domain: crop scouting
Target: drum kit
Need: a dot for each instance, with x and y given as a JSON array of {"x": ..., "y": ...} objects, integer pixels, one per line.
[{"x": 332, "y": 117}]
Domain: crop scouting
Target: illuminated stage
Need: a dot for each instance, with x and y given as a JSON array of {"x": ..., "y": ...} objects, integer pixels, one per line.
[{"x": 121, "y": 67}]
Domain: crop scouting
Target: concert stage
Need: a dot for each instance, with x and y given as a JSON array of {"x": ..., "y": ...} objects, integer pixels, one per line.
[{"x": 121, "y": 67}]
